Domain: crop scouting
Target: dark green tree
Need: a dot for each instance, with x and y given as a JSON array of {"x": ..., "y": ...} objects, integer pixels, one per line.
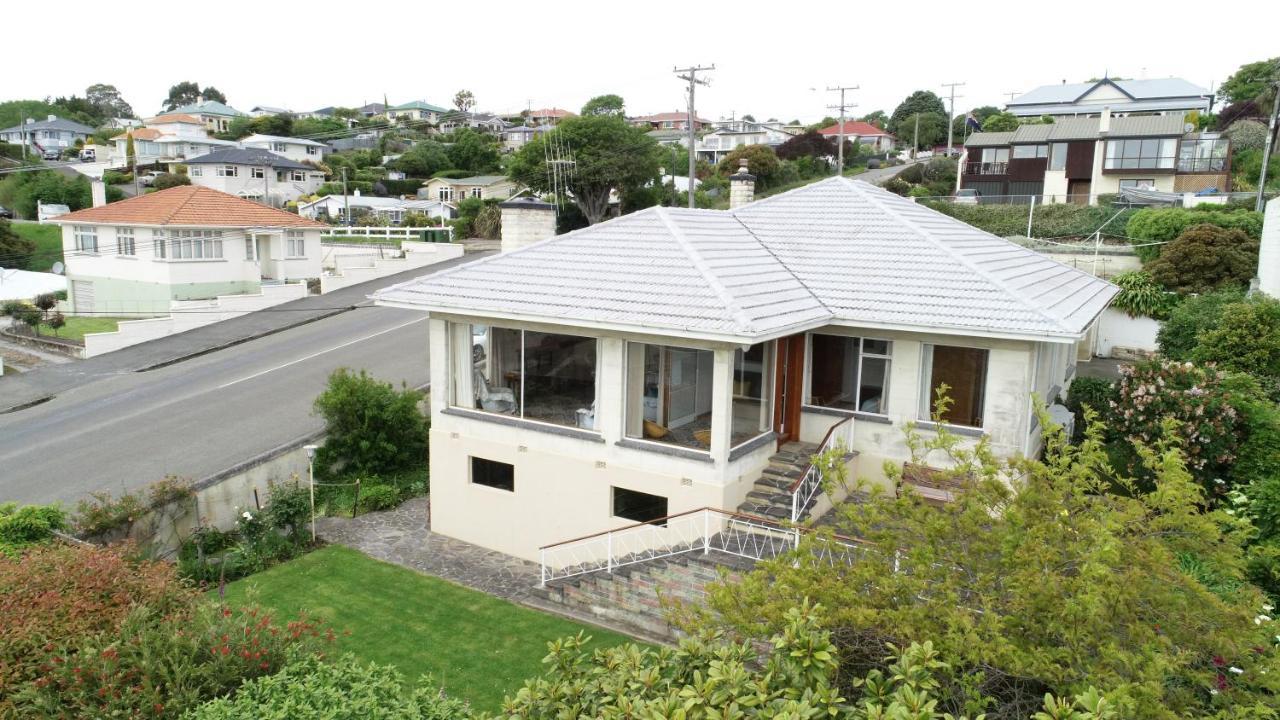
[
  {"x": 187, "y": 92},
  {"x": 106, "y": 99},
  {"x": 610, "y": 155},
  {"x": 371, "y": 428},
  {"x": 605, "y": 105},
  {"x": 933, "y": 130},
  {"x": 1205, "y": 258},
  {"x": 424, "y": 159},
  {"x": 918, "y": 102},
  {"x": 1000, "y": 122},
  {"x": 762, "y": 162},
  {"x": 472, "y": 151},
  {"x": 1253, "y": 81},
  {"x": 879, "y": 118}
]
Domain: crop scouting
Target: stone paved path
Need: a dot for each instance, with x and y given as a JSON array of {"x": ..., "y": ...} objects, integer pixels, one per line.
[{"x": 403, "y": 536}]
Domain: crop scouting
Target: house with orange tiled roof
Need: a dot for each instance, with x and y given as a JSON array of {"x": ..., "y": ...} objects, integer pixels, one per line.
[
  {"x": 864, "y": 133},
  {"x": 139, "y": 256},
  {"x": 669, "y": 121}
]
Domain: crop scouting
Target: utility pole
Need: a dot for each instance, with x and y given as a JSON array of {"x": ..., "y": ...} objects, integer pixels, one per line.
[
  {"x": 24, "y": 138},
  {"x": 690, "y": 75},
  {"x": 951, "y": 114},
  {"x": 915, "y": 140},
  {"x": 841, "y": 107},
  {"x": 1271, "y": 136},
  {"x": 346, "y": 200},
  {"x": 1011, "y": 95}
]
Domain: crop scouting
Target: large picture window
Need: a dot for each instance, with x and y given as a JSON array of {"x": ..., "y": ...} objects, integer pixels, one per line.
[
  {"x": 1141, "y": 154},
  {"x": 849, "y": 373},
  {"x": 1025, "y": 152},
  {"x": 547, "y": 377},
  {"x": 752, "y": 392},
  {"x": 669, "y": 394},
  {"x": 195, "y": 245},
  {"x": 964, "y": 372}
]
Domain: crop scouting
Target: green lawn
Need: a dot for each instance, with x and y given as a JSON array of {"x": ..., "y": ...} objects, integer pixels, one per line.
[
  {"x": 48, "y": 240},
  {"x": 77, "y": 326},
  {"x": 476, "y": 646}
]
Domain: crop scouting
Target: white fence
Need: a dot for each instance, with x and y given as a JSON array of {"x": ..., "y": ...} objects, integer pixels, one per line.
[
  {"x": 349, "y": 264},
  {"x": 436, "y": 234},
  {"x": 188, "y": 315}
]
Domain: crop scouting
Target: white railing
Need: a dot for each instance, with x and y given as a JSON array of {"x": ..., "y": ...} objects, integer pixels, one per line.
[
  {"x": 390, "y": 233},
  {"x": 701, "y": 531},
  {"x": 804, "y": 492}
]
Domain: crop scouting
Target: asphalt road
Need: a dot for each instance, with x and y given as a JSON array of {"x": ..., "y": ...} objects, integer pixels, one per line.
[{"x": 202, "y": 415}]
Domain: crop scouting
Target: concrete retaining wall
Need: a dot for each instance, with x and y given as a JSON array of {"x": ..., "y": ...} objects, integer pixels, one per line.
[
  {"x": 1111, "y": 260},
  {"x": 1123, "y": 337},
  {"x": 351, "y": 268},
  {"x": 188, "y": 315}
]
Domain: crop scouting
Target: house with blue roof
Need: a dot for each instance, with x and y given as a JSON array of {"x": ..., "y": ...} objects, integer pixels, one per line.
[
  {"x": 1156, "y": 96},
  {"x": 416, "y": 111}
]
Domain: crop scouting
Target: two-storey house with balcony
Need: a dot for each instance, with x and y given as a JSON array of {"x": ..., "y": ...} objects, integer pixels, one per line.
[
  {"x": 1078, "y": 159},
  {"x": 654, "y": 363}
]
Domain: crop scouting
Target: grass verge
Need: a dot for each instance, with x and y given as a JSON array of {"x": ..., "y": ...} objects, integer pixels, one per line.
[
  {"x": 477, "y": 647},
  {"x": 77, "y": 326}
]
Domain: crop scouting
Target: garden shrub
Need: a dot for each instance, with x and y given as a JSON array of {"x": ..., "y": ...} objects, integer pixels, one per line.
[
  {"x": 1152, "y": 225},
  {"x": 371, "y": 428},
  {"x": 897, "y": 186},
  {"x": 378, "y": 497},
  {"x": 1205, "y": 258},
  {"x": 1095, "y": 393},
  {"x": 104, "y": 515},
  {"x": 1140, "y": 296},
  {"x": 1246, "y": 339},
  {"x": 1054, "y": 220},
  {"x": 21, "y": 527},
  {"x": 159, "y": 665},
  {"x": 1207, "y": 426},
  {"x": 169, "y": 180},
  {"x": 1180, "y": 332},
  {"x": 289, "y": 508},
  {"x": 347, "y": 689}
]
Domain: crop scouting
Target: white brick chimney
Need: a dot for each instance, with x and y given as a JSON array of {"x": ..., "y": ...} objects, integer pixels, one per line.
[
  {"x": 1104, "y": 122},
  {"x": 98, "y": 189},
  {"x": 742, "y": 187},
  {"x": 1269, "y": 253},
  {"x": 525, "y": 221}
]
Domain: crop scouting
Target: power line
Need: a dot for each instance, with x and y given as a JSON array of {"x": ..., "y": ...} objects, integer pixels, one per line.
[
  {"x": 841, "y": 106},
  {"x": 690, "y": 75}
]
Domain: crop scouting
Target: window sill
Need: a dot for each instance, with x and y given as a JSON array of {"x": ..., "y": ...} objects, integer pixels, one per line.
[
  {"x": 856, "y": 414},
  {"x": 195, "y": 260},
  {"x": 663, "y": 449},
  {"x": 754, "y": 443},
  {"x": 525, "y": 424},
  {"x": 955, "y": 429}
]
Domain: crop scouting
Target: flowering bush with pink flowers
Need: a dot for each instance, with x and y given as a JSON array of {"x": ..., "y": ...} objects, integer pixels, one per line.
[{"x": 1178, "y": 400}]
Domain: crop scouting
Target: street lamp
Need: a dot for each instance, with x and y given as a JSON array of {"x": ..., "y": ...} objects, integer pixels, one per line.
[{"x": 311, "y": 480}]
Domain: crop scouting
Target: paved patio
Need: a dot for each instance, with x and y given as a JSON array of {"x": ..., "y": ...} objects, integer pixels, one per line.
[{"x": 403, "y": 536}]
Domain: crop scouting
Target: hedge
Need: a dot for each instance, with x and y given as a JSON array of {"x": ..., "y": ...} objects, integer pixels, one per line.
[
  {"x": 1165, "y": 224},
  {"x": 1054, "y": 220}
]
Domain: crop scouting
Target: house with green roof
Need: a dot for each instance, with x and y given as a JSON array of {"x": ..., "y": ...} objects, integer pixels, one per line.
[
  {"x": 216, "y": 116},
  {"x": 417, "y": 110}
]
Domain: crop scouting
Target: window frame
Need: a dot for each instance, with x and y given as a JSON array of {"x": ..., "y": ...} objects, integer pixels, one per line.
[
  {"x": 228, "y": 171},
  {"x": 126, "y": 244},
  {"x": 806, "y": 400},
  {"x": 291, "y": 238},
  {"x": 471, "y": 474},
  {"x": 86, "y": 238},
  {"x": 1131, "y": 155},
  {"x": 658, "y": 520},
  {"x": 258, "y": 173},
  {"x": 1058, "y": 156},
  {"x": 925, "y": 405}
]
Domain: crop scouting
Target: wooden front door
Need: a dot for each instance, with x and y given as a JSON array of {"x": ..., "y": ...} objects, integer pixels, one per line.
[
  {"x": 788, "y": 389},
  {"x": 1079, "y": 191}
]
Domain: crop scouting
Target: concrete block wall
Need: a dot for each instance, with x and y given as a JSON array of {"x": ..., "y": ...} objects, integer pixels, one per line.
[{"x": 350, "y": 269}]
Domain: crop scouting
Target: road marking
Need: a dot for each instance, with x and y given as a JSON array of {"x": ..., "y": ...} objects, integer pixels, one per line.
[{"x": 322, "y": 352}]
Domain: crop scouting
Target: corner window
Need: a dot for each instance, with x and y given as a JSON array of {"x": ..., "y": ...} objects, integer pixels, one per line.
[
  {"x": 548, "y": 377},
  {"x": 849, "y": 373},
  {"x": 124, "y": 241},
  {"x": 1140, "y": 153},
  {"x": 639, "y": 506},
  {"x": 494, "y": 474},
  {"x": 964, "y": 373},
  {"x": 752, "y": 392},
  {"x": 669, "y": 395}
]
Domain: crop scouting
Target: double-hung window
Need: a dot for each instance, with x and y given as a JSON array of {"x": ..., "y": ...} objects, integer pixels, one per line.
[
  {"x": 296, "y": 245},
  {"x": 258, "y": 173},
  {"x": 299, "y": 176},
  {"x": 196, "y": 245},
  {"x": 86, "y": 237},
  {"x": 195, "y": 171},
  {"x": 228, "y": 171},
  {"x": 960, "y": 375},
  {"x": 278, "y": 147},
  {"x": 124, "y": 241},
  {"x": 313, "y": 150},
  {"x": 849, "y": 373}
]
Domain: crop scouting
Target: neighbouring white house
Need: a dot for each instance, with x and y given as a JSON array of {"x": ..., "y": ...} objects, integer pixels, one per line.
[
  {"x": 52, "y": 133},
  {"x": 296, "y": 149},
  {"x": 713, "y": 146},
  {"x": 652, "y": 364},
  {"x": 416, "y": 111},
  {"x": 169, "y": 138},
  {"x": 393, "y": 210},
  {"x": 216, "y": 116},
  {"x": 137, "y": 256},
  {"x": 1155, "y": 96},
  {"x": 451, "y": 190},
  {"x": 255, "y": 174},
  {"x": 861, "y": 133},
  {"x": 267, "y": 110},
  {"x": 486, "y": 122}
]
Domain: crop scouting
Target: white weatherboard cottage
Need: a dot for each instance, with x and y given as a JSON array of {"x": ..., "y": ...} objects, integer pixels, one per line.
[{"x": 652, "y": 364}]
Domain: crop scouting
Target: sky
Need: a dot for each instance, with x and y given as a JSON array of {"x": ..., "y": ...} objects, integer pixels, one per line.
[{"x": 772, "y": 60}]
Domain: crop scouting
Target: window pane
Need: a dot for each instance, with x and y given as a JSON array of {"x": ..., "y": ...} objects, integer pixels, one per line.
[
  {"x": 833, "y": 371},
  {"x": 495, "y": 383},
  {"x": 669, "y": 394},
  {"x": 876, "y": 347},
  {"x": 560, "y": 379},
  {"x": 639, "y": 506},
  {"x": 752, "y": 391},
  {"x": 494, "y": 474},
  {"x": 873, "y": 385},
  {"x": 964, "y": 373}
]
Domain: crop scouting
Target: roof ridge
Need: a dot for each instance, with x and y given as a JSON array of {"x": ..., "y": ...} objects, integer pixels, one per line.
[
  {"x": 700, "y": 264},
  {"x": 784, "y": 265},
  {"x": 928, "y": 237},
  {"x": 195, "y": 190},
  {"x": 762, "y": 201}
]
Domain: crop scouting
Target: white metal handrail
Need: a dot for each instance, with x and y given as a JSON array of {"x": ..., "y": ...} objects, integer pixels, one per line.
[
  {"x": 703, "y": 531},
  {"x": 805, "y": 490}
]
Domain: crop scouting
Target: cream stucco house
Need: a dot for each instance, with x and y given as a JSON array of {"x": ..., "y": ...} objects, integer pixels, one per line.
[
  {"x": 653, "y": 364},
  {"x": 138, "y": 256}
]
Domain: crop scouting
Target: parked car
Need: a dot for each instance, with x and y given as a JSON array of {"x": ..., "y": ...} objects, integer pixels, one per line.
[
  {"x": 88, "y": 155},
  {"x": 148, "y": 179},
  {"x": 6, "y": 213},
  {"x": 967, "y": 196},
  {"x": 51, "y": 155}
]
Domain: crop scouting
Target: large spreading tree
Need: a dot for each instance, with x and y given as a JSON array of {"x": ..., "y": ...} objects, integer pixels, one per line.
[
  {"x": 108, "y": 101},
  {"x": 608, "y": 154},
  {"x": 918, "y": 102},
  {"x": 605, "y": 105},
  {"x": 187, "y": 92}
]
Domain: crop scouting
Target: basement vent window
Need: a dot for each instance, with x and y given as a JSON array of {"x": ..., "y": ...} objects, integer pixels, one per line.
[
  {"x": 494, "y": 474},
  {"x": 639, "y": 506}
]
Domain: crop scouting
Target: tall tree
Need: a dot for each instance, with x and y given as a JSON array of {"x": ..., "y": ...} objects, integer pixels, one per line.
[
  {"x": 187, "y": 92},
  {"x": 808, "y": 144},
  {"x": 933, "y": 130},
  {"x": 1253, "y": 81},
  {"x": 879, "y": 118},
  {"x": 472, "y": 151},
  {"x": 464, "y": 100},
  {"x": 1000, "y": 122},
  {"x": 918, "y": 102},
  {"x": 108, "y": 101},
  {"x": 610, "y": 155},
  {"x": 605, "y": 105}
]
